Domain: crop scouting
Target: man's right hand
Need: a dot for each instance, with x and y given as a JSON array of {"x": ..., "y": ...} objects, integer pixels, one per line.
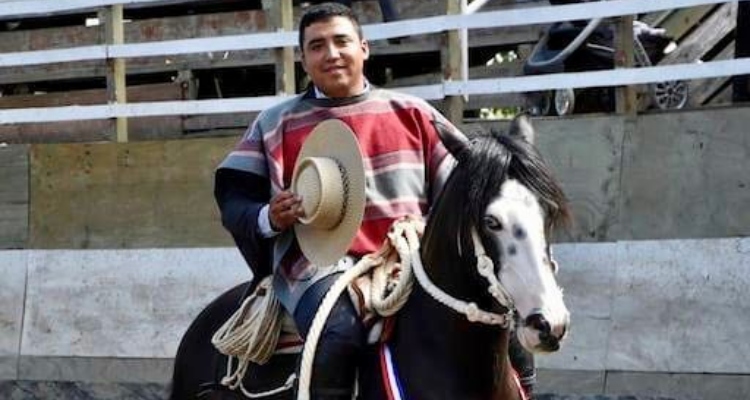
[{"x": 284, "y": 210}]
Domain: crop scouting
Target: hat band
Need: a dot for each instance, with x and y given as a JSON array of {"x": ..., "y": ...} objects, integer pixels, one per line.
[{"x": 324, "y": 187}]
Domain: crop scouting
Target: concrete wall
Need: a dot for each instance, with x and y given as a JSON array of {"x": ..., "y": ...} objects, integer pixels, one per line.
[
  {"x": 661, "y": 176},
  {"x": 655, "y": 317},
  {"x": 645, "y": 315},
  {"x": 104, "y": 315}
]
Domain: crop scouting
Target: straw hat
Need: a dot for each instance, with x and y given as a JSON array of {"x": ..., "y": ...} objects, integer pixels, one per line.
[{"x": 330, "y": 178}]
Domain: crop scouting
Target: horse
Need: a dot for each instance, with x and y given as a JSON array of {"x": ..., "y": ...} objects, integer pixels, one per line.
[{"x": 484, "y": 243}]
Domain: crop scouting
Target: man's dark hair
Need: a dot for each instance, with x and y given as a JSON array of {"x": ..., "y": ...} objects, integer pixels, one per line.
[{"x": 323, "y": 12}]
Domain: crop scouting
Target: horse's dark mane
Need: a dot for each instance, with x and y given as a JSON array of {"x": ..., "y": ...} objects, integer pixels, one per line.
[{"x": 481, "y": 170}]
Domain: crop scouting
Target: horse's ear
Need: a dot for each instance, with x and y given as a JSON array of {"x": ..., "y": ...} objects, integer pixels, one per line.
[
  {"x": 453, "y": 140},
  {"x": 521, "y": 128}
]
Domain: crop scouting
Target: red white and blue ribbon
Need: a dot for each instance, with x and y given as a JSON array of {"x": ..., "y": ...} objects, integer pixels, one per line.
[
  {"x": 517, "y": 380},
  {"x": 391, "y": 383}
]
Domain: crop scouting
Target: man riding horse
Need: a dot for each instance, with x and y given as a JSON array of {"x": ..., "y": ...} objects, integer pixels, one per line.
[{"x": 405, "y": 163}]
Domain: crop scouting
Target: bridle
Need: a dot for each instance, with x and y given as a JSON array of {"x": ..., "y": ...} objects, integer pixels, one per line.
[{"x": 485, "y": 268}]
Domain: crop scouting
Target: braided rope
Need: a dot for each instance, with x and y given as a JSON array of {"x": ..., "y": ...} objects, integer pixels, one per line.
[{"x": 486, "y": 269}]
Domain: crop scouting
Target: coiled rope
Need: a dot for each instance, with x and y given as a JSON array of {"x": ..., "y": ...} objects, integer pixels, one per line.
[{"x": 251, "y": 335}]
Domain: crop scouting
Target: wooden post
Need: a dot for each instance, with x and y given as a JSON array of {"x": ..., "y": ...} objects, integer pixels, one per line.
[
  {"x": 281, "y": 17},
  {"x": 626, "y": 100},
  {"x": 189, "y": 84},
  {"x": 452, "y": 60},
  {"x": 116, "y": 84}
]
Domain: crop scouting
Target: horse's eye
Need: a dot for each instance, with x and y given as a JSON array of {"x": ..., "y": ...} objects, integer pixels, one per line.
[{"x": 493, "y": 223}]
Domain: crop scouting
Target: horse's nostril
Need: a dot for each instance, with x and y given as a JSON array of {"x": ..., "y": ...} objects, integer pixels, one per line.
[
  {"x": 549, "y": 342},
  {"x": 538, "y": 322}
]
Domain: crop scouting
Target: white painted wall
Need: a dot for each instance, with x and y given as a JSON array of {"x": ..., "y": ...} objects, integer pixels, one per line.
[{"x": 652, "y": 306}]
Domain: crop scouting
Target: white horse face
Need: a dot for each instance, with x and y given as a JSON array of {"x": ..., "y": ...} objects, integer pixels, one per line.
[{"x": 515, "y": 220}]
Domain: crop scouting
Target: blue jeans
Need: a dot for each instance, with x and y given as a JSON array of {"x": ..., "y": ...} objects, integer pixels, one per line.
[{"x": 341, "y": 343}]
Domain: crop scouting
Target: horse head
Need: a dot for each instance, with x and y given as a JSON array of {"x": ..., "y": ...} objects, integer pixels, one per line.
[{"x": 509, "y": 202}]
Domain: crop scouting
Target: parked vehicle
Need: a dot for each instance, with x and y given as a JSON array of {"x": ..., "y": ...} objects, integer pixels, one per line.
[{"x": 587, "y": 46}]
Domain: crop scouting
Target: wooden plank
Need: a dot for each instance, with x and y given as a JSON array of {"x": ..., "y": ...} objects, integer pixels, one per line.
[
  {"x": 140, "y": 93},
  {"x": 29, "y": 8},
  {"x": 126, "y": 195},
  {"x": 656, "y": 18},
  {"x": 50, "y": 38},
  {"x": 702, "y": 90},
  {"x": 87, "y": 131},
  {"x": 14, "y": 196},
  {"x": 513, "y": 35},
  {"x": 705, "y": 37},
  {"x": 682, "y": 21},
  {"x": 506, "y": 69},
  {"x": 502, "y": 100},
  {"x": 144, "y": 128},
  {"x": 723, "y": 97},
  {"x": 195, "y": 124}
]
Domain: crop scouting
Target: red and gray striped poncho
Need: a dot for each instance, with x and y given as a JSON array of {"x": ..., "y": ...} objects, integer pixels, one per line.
[{"x": 405, "y": 163}]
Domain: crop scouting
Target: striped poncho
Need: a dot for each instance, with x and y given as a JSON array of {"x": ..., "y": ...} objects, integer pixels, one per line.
[{"x": 405, "y": 163}]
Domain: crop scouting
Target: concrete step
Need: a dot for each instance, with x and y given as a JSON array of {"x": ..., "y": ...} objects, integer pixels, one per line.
[
  {"x": 551, "y": 396},
  {"x": 27, "y": 390}
]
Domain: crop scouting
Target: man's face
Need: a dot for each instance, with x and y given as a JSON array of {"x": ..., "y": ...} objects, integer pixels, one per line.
[{"x": 333, "y": 54}]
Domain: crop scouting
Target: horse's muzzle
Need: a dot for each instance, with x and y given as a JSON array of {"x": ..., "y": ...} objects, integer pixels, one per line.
[{"x": 549, "y": 337}]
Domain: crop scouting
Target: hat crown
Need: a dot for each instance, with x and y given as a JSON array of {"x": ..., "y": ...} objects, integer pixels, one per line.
[{"x": 322, "y": 181}]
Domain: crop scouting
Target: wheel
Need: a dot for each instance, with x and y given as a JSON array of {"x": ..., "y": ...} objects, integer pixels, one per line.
[
  {"x": 565, "y": 101},
  {"x": 539, "y": 104},
  {"x": 670, "y": 95}
]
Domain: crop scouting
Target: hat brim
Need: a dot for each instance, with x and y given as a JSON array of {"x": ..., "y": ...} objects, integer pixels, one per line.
[{"x": 334, "y": 139}]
